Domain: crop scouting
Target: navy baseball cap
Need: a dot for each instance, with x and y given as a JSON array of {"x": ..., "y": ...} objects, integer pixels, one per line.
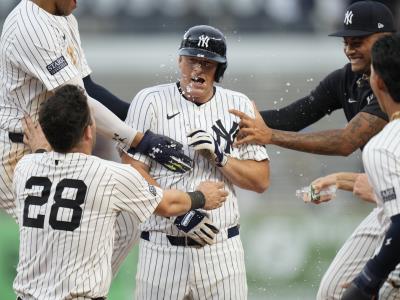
[{"x": 364, "y": 18}]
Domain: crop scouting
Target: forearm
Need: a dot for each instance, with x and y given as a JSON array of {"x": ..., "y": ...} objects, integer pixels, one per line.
[
  {"x": 173, "y": 203},
  {"x": 142, "y": 168},
  {"x": 247, "y": 174},
  {"x": 108, "y": 124},
  {"x": 330, "y": 142}
]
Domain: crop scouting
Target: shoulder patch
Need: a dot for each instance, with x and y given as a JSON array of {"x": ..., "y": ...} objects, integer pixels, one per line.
[
  {"x": 388, "y": 195},
  {"x": 57, "y": 65}
]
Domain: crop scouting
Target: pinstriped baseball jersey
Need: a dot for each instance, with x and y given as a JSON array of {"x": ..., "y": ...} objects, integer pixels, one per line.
[
  {"x": 163, "y": 110},
  {"x": 38, "y": 52},
  {"x": 176, "y": 272},
  {"x": 67, "y": 206},
  {"x": 381, "y": 158}
]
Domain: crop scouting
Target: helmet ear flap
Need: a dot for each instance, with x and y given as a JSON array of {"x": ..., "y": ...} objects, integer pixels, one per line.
[{"x": 219, "y": 73}]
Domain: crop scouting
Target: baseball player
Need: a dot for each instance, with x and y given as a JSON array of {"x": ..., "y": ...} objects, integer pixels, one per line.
[
  {"x": 347, "y": 88},
  {"x": 40, "y": 51},
  {"x": 381, "y": 160},
  {"x": 67, "y": 203},
  {"x": 194, "y": 112}
]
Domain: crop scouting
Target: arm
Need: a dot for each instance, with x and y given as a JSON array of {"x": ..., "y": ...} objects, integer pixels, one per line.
[
  {"x": 347, "y": 181},
  {"x": 296, "y": 116},
  {"x": 367, "y": 284},
  {"x": 330, "y": 142},
  {"x": 247, "y": 174},
  {"x": 175, "y": 202},
  {"x": 117, "y": 106}
]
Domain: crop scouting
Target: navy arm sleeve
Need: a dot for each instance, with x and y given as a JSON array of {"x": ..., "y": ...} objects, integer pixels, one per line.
[
  {"x": 117, "y": 106},
  {"x": 389, "y": 255},
  {"x": 308, "y": 110}
]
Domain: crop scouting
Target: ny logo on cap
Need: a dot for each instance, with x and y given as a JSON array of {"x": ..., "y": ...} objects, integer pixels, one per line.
[
  {"x": 203, "y": 41},
  {"x": 348, "y": 17}
]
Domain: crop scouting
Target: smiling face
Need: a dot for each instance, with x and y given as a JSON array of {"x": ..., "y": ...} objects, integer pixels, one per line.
[
  {"x": 197, "y": 78},
  {"x": 358, "y": 51}
]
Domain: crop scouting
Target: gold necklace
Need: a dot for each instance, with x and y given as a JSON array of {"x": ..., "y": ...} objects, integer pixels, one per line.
[{"x": 395, "y": 116}]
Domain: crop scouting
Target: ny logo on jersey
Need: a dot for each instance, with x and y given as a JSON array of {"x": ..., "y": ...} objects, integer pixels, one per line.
[
  {"x": 348, "y": 17},
  {"x": 228, "y": 136},
  {"x": 203, "y": 41}
]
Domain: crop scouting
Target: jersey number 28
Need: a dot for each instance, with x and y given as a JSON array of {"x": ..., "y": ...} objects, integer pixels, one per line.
[{"x": 59, "y": 202}]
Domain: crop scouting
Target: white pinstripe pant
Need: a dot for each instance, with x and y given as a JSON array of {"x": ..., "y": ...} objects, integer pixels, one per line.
[
  {"x": 353, "y": 256},
  {"x": 179, "y": 272}
]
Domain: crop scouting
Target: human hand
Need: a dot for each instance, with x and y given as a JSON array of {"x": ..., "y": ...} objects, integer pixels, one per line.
[
  {"x": 197, "y": 226},
  {"x": 34, "y": 137},
  {"x": 363, "y": 189},
  {"x": 214, "y": 194},
  {"x": 201, "y": 140},
  {"x": 320, "y": 184},
  {"x": 252, "y": 130},
  {"x": 165, "y": 151}
]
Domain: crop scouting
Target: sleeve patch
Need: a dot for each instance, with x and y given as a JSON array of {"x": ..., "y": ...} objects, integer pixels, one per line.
[
  {"x": 57, "y": 65},
  {"x": 388, "y": 195}
]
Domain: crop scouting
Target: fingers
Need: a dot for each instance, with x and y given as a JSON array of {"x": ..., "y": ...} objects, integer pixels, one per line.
[{"x": 239, "y": 114}]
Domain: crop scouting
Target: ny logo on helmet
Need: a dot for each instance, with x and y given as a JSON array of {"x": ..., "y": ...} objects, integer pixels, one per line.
[
  {"x": 203, "y": 41},
  {"x": 348, "y": 17}
]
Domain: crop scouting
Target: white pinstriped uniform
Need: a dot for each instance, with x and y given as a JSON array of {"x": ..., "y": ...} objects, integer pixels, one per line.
[
  {"x": 40, "y": 52},
  {"x": 381, "y": 158},
  {"x": 175, "y": 272},
  {"x": 66, "y": 241}
]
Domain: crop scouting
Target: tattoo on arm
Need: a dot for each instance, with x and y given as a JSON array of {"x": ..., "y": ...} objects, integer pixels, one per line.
[{"x": 332, "y": 142}]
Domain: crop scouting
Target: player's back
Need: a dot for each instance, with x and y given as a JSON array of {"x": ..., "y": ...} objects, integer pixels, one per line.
[{"x": 66, "y": 206}]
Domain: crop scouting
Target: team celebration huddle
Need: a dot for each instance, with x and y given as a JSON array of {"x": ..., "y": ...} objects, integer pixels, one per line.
[{"x": 184, "y": 146}]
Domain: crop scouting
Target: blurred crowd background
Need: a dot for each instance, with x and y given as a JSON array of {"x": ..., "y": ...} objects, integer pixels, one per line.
[{"x": 278, "y": 50}]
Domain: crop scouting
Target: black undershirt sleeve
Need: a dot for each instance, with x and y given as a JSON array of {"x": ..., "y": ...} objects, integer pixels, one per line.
[
  {"x": 117, "y": 106},
  {"x": 389, "y": 255},
  {"x": 302, "y": 113},
  {"x": 294, "y": 117}
]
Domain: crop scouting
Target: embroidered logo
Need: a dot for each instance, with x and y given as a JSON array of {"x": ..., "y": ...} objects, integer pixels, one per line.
[
  {"x": 169, "y": 117},
  {"x": 348, "y": 17},
  {"x": 57, "y": 65},
  {"x": 203, "y": 41},
  {"x": 380, "y": 25},
  {"x": 388, "y": 195},
  {"x": 369, "y": 98}
]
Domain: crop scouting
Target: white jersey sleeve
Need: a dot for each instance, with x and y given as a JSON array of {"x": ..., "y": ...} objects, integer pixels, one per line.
[
  {"x": 134, "y": 194},
  {"x": 382, "y": 163},
  {"x": 48, "y": 48}
]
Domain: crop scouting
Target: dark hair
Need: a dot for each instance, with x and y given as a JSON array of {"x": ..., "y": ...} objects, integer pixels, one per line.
[
  {"x": 386, "y": 63},
  {"x": 64, "y": 117}
]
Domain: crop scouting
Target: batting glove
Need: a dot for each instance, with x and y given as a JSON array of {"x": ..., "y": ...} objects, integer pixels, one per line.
[
  {"x": 364, "y": 287},
  {"x": 202, "y": 140},
  {"x": 196, "y": 225},
  {"x": 165, "y": 151}
]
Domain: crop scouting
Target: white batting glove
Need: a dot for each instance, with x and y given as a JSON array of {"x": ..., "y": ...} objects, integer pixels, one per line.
[{"x": 201, "y": 140}]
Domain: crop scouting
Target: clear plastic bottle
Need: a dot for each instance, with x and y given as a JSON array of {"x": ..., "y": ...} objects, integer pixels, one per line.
[{"x": 307, "y": 193}]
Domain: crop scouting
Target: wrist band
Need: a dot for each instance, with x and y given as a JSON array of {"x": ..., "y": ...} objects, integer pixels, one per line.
[
  {"x": 223, "y": 162},
  {"x": 198, "y": 199},
  {"x": 40, "y": 150}
]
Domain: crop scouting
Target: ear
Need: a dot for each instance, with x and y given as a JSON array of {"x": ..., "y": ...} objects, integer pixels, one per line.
[
  {"x": 88, "y": 133},
  {"x": 381, "y": 84}
]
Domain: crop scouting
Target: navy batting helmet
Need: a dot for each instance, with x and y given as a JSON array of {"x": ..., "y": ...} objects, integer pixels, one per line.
[{"x": 208, "y": 42}]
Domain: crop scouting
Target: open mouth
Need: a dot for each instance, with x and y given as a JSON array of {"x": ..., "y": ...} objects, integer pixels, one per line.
[{"x": 198, "y": 80}]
